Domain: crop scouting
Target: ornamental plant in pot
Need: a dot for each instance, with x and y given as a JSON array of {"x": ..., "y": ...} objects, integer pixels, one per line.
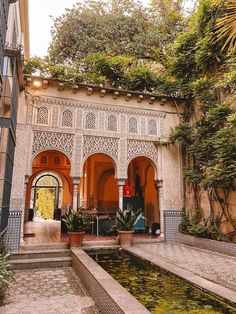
[
  {"x": 76, "y": 223},
  {"x": 125, "y": 222}
]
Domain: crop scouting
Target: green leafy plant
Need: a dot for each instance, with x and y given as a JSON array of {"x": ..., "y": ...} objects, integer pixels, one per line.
[
  {"x": 5, "y": 276},
  {"x": 200, "y": 230},
  {"x": 127, "y": 218},
  {"x": 76, "y": 221}
]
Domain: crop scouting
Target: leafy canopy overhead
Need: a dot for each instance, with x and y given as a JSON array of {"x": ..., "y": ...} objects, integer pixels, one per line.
[{"x": 114, "y": 27}]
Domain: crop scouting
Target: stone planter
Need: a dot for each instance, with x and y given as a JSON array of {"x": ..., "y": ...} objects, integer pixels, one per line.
[
  {"x": 76, "y": 238},
  {"x": 125, "y": 238},
  {"x": 207, "y": 244}
]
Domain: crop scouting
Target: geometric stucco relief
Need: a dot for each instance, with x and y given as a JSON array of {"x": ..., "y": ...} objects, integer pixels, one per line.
[
  {"x": 53, "y": 140},
  {"x": 96, "y": 144},
  {"x": 141, "y": 148}
]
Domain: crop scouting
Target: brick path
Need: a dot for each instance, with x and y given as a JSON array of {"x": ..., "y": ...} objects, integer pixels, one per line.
[
  {"x": 215, "y": 267},
  {"x": 51, "y": 291}
]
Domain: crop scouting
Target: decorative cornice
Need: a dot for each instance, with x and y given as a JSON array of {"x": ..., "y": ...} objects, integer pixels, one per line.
[{"x": 90, "y": 105}]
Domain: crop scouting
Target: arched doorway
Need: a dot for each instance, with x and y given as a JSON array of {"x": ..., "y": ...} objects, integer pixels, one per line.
[
  {"x": 144, "y": 194},
  {"x": 98, "y": 187},
  {"x": 50, "y": 181},
  {"x": 46, "y": 195}
]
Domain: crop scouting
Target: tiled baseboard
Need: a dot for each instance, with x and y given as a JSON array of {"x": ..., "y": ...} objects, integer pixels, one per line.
[
  {"x": 172, "y": 219},
  {"x": 11, "y": 239}
]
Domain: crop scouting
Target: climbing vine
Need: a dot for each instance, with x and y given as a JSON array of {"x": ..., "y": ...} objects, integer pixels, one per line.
[{"x": 208, "y": 129}]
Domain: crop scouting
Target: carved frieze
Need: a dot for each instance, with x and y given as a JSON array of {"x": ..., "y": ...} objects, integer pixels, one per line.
[
  {"x": 141, "y": 148},
  {"x": 94, "y": 144},
  {"x": 53, "y": 140}
]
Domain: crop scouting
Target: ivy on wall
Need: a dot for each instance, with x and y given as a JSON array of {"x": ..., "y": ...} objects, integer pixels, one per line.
[{"x": 208, "y": 129}]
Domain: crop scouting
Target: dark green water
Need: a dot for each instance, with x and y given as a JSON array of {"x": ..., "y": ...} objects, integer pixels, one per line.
[{"x": 158, "y": 291}]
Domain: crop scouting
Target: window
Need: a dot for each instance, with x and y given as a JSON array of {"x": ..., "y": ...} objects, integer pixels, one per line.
[
  {"x": 56, "y": 160},
  {"x": 44, "y": 160},
  {"x": 112, "y": 124},
  {"x": 90, "y": 121},
  {"x": 133, "y": 126},
  {"x": 67, "y": 118},
  {"x": 152, "y": 127},
  {"x": 42, "y": 115}
]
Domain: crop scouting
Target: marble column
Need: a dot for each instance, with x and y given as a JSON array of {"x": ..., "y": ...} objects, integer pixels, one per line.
[
  {"x": 121, "y": 183},
  {"x": 23, "y": 210},
  {"x": 159, "y": 185},
  {"x": 76, "y": 181}
]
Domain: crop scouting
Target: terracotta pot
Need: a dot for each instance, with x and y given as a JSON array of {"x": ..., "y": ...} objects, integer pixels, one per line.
[
  {"x": 125, "y": 238},
  {"x": 76, "y": 238}
]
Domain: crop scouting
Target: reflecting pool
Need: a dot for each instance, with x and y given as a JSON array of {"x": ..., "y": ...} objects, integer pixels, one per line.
[{"x": 159, "y": 291}]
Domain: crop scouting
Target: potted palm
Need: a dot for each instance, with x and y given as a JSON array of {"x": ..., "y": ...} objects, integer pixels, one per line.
[
  {"x": 125, "y": 222},
  {"x": 76, "y": 224}
]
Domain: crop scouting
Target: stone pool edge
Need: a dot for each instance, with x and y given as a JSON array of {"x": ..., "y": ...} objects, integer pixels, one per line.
[
  {"x": 109, "y": 296},
  {"x": 223, "y": 293}
]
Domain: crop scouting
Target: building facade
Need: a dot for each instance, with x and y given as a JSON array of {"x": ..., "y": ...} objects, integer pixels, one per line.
[
  {"x": 85, "y": 143},
  {"x": 13, "y": 43}
]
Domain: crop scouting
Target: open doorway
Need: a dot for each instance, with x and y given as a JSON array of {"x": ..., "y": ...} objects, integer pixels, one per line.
[{"x": 46, "y": 196}]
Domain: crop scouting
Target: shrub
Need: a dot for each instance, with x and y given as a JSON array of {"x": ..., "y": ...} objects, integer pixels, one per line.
[{"x": 5, "y": 276}]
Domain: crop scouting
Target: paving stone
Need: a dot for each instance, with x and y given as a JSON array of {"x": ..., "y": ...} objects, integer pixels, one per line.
[
  {"x": 215, "y": 267},
  {"x": 51, "y": 291}
]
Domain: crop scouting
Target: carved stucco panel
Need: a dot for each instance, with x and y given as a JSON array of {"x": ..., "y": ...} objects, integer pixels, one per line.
[
  {"x": 101, "y": 121},
  {"x": 77, "y": 163},
  {"x": 79, "y": 123},
  {"x": 55, "y": 115},
  {"x": 53, "y": 140},
  {"x": 141, "y": 148},
  {"x": 123, "y": 123},
  {"x": 99, "y": 144},
  {"x": 143, "y": 125},
  {"x": 122, "y": 170}
]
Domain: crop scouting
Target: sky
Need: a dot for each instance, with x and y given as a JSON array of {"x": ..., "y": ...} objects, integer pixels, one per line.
[{"x": 40, "y": 22}]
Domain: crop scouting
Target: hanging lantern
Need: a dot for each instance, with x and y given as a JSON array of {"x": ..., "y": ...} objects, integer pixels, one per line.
[{"x": 127, "y": 191}]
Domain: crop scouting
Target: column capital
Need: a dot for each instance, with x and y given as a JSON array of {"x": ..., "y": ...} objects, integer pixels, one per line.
[
  {"x": 120, "y": 181},
  {"x": 76, "y": 180},
  {"x": 27, "y": 179},
  {"x": 159, "y": 183}
]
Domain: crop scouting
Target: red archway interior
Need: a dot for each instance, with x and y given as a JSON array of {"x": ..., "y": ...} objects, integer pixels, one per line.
[
  {"x": 98, "y": 187},
  {"x": 141, "y": 178}
]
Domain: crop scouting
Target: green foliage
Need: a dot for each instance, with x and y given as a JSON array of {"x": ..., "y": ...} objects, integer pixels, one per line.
[
  {"x": 193, "y": 175},
  {"x": 184, "y": 65},
  {"x": 200, "y": 230},
  {"x": 127, "y": 218},
  {"x": 108, "y": 27},
  {"x": 76, "y": 221},
  {"x": 181, "y": 133},
  {"x": 228, "y": 82},
  {"x": 142, "y": 78},
  {"x": 5, "y": 276}
]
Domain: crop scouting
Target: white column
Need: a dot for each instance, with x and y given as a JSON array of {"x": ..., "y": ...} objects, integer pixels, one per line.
[
  {"x": 121, "y": 183},
  {"x": 76, "y": 181},
  {"x": 23, "y": 210},
  {"x": 159, "y": 184}
]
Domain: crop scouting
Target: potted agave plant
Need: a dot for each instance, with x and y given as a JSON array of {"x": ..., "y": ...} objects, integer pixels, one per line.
[
  {"x": 76, "y": 224},
  {"x": 125, "y": 222}
]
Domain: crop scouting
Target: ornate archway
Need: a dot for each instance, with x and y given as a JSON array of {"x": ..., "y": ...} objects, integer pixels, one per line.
[
  {"x": 144, "y": 193},
  {"x": 46, "y": 195},
  {"x": 56, "y": 163},
  {"x": 98, "y": 187}
]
